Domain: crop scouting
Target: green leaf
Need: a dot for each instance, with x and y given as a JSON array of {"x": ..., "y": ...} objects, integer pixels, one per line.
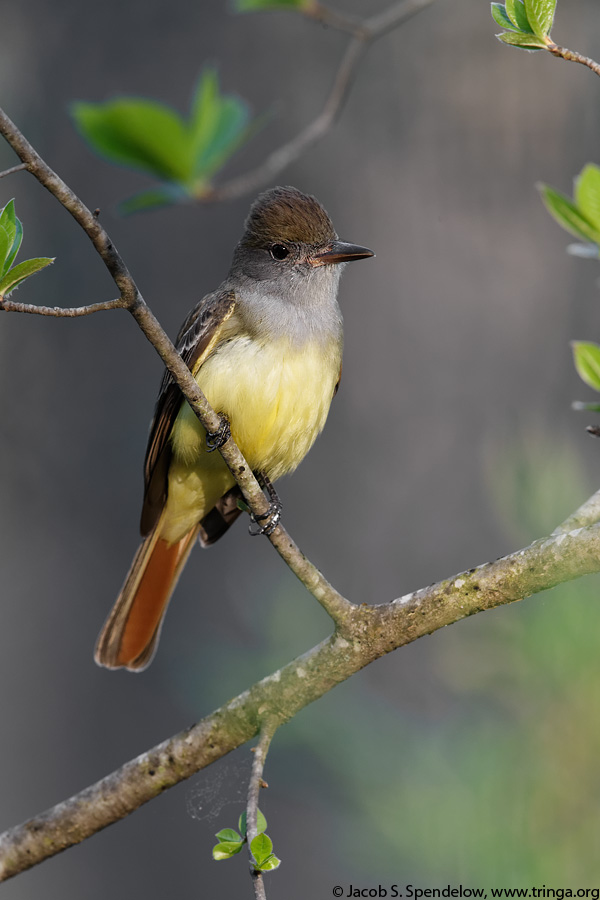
[
  {"x": 226, "y": 849},
  {"x": 154, "y": 198},
  {"x": 138, "y": 133},
  {"x": 585, "y": 407},
  {"x": 218, "y": 125},
  {"x": 524, "y": 41},
  {"x": 204, "y": 112},
  {"x": 19, "y": 273},
  {"x": 248, "y": 5},
  {"x": 11, "y": 231},
  {"x": 228, "y": 835},
  {"x": 268, "y": 864},
  {"x": 501, "y": 17},
  {"x": 567, "y": 215},
  {"x": 521, "y": 17},
  {"x": 261, "y": 848},
  {"x": 7, "y": 215},
  {"x": 510, "y": 12},
  {"x": 230, "y": 132},
  {"x": 11, "y": 235},
  {"x": 16, "y": 242},
  {"x": 5, "y": 247},
  {"x": 587, "y": 194},
  {"x": 261, "y": 822},
  {"x": 183, "y": 153},
  {"x": 541, "y": 15},
  {"x": 586, "y": 356},
  {"x": 517, "y": 15},
  {"x": 515, "y": 12}
]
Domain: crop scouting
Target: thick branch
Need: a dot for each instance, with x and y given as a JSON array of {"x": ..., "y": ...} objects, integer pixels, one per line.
[
  {"x": 587, "y": 514},
  {"x": 365, "y": 33},
  {"x": 375, "y": 631}
]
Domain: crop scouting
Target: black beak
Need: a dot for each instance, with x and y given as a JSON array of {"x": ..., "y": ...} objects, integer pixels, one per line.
[{"x": 339, "y": 252}]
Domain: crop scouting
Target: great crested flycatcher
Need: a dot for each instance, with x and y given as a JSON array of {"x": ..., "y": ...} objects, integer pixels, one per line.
[{"x": 266, "y": 350}]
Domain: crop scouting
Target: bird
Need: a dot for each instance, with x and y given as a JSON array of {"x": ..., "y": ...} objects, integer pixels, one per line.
[{"x": 266, "y": 350}]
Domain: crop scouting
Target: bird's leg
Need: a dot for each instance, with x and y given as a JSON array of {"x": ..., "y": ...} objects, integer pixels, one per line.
[
  {"x": 273, "y": 514},
  {"x": 216, "y": 439}
]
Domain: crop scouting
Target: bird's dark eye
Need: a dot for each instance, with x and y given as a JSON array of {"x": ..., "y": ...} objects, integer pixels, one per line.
[{"x": 279, "y": 251}]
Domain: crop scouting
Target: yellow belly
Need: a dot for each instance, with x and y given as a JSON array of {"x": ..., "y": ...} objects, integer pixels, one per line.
[{"x": 277, "y": 399}]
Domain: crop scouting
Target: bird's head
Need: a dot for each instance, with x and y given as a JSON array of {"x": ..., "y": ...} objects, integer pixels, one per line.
[{"x": 288, "y": 236}]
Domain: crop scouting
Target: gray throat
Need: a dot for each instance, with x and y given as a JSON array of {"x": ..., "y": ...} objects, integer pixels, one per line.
[{"x": 302, "y": 308}]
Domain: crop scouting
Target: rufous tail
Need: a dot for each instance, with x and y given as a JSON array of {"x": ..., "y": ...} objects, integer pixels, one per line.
[{"x": 130, "y": 634}]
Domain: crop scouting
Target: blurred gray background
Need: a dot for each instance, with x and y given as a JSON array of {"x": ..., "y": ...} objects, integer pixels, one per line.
[{"x": 460, "y": 757}]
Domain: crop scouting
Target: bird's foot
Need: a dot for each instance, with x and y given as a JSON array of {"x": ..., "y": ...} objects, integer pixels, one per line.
[
  {"x": 272, "y": 516},
  {"x": 216, "y": 439}
]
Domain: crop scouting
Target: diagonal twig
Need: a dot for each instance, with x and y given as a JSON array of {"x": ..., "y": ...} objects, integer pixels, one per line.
[
  {"x": 364, "y": 34},
  {"x": 572, "y": 56}
]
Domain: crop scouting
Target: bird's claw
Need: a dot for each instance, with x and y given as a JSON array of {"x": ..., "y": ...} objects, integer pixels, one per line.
[
  {"x": 216, "y": 439},
  {"x": 272, "y": 516}
]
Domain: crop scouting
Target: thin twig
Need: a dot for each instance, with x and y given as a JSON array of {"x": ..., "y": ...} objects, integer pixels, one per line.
[
  {"x": 256, "y": 781},
  {"x": 259, "y": 885},
  {"x": 11, "y": 171},
  {"x": 573, "y": 56},
  {"x": 383, "y": 22},
  {"x": 377, "y": 630},
  {"x": 324, "y": 15},
  {"x": 68, "y": 312},
  {"x": 281, "y": 158},
  {"x": 369, "y": 30}
]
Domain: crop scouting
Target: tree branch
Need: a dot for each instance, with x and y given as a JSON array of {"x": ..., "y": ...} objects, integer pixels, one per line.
[
  {"x": 256, "y": 782},
  {"x": 365, "y": 33},
  {"x": 587, "y": 514},
  {"x": 573, "y": 56},
  {"x": 375, "y": 631},
  {"x": 324, "y": 15},
  {"x": 69, "y": 312},
  {"x": 13, "y": 170}
]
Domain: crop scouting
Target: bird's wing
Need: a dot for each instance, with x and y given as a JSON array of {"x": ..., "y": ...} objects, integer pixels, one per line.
[{"x": 199, "y": 335}]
